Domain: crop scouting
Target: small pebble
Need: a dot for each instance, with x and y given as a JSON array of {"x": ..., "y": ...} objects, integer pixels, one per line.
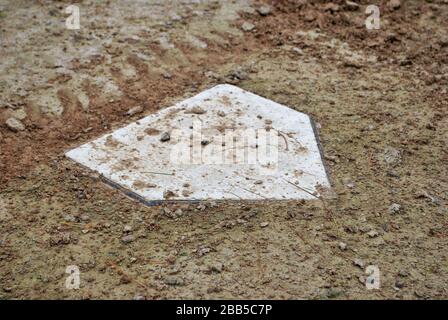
[
  {"x": 394, "y": 208},
  {"x": 372, "y": 233},
  {"x": 165, "y": 137},
  {"x": 135, "y": 110},
  {"x": 264, "y": 10},
  {"x": 247, "y": 26},
  {"x": 342, "y": 246},
  {"x": 394, "y": 4},
  {"x": 399, "y": 284},
  {"x": 14, "y": 125},
  {"x": 128, "y": 238},
  {"x": 359, "y": 263},
  {"x": 174, "y": 281}
]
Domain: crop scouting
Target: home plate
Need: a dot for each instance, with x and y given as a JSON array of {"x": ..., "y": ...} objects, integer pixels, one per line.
[{"x": 223, "y": 144}]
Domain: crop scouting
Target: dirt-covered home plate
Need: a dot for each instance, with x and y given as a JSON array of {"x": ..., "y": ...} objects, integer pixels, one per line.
[{"x": 223, "y": 144}]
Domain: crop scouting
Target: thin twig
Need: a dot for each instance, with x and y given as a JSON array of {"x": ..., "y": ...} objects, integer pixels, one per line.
[{"x": 162, "y": 173}]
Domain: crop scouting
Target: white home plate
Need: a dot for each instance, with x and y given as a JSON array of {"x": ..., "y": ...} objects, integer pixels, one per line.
[{"x": 224, "y": 143}]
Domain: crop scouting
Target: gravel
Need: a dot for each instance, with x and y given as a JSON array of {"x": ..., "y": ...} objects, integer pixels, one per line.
[
  {"x": 265, "y": 10},
  {"x": 128, "y": 238},
  {"x": 14, "y": 125},
  {"x": 394, "y": 208},
  {"x": 247, "y": 26},
  {"x": 165, "y": 137}
]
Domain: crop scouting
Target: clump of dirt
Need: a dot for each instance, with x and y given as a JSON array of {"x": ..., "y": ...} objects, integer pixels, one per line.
[{"x": 379, "y": 99}]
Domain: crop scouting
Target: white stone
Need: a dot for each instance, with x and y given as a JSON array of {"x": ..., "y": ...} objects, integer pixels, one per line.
[
  {"x": 247, "y": 26},
  {"x": 14, "y": 124},
  {"x": 207, "y": 168}
]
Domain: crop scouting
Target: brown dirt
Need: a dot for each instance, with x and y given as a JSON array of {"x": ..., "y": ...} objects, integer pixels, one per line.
[{"x": 369, "y": 91}]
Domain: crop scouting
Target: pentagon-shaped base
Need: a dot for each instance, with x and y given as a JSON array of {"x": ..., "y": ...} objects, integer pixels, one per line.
[{"x": 224, "y": 143}]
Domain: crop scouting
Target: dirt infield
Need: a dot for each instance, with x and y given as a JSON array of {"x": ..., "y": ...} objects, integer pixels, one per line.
[{"x": 379, "y": 98}]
